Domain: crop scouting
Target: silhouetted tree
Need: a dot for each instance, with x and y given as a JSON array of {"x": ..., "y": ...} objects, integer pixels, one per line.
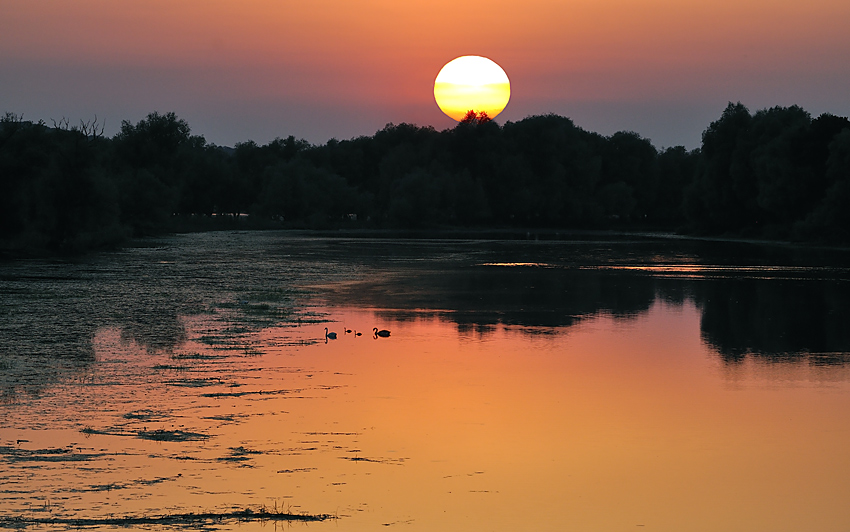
[
  {"x": 472, "y": 117},
  {"x": 766, "y": 174},
  {"x": 629, "y": 176},
  {"x": 830, "y": 220},
  {"x": 56, "y": 195},
  {"x": 781, "y": 169},
  {"x": 776, "y": 173},
  {"x": 723, "y": 194},
  {"x": 676, "y": 167}
]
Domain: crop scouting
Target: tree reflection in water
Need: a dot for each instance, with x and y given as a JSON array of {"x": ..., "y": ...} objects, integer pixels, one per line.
[
  {"x": 770, "y": 302},
  {"x": 774, "y": 318}
]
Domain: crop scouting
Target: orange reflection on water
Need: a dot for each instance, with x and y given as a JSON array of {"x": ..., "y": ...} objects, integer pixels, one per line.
[{"x": 606, "y": 426}]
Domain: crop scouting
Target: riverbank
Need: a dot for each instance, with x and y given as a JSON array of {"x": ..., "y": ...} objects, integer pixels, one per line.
[{"x": 185, "y": 225}]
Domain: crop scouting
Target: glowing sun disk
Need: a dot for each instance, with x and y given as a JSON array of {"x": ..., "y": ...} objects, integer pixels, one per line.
[{"x": 472, "y": 83}]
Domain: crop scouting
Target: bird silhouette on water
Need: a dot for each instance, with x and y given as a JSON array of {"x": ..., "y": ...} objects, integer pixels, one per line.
[
  {"x": 329, "y": 335},
  {"x": 383, "y": 333}
]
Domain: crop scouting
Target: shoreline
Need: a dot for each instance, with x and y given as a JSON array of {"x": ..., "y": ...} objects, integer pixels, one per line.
[{"x": 9, "y": 254}]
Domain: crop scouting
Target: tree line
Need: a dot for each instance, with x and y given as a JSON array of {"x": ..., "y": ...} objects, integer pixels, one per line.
[{"x": 778, "y": 173}]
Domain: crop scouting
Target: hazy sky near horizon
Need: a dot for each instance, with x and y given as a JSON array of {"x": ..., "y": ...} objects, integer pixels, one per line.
[{"x": 259, "y": 69}]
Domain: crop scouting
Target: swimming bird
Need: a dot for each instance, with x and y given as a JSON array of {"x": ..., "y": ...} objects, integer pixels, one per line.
[
  {"x": 331, "y": 335},
  {"x": 346, "y": 330},
  {"x": 358, "y": 333},
  {"x": 383, "y": 333}
]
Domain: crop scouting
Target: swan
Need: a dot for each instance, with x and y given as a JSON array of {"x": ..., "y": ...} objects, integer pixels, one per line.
[
  {"x": 358, "y": 333},
  {"x": 383, "y": 333},
  {"x": 331, "y": 335}
]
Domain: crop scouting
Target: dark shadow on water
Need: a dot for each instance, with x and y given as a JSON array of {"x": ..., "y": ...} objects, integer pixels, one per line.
[
  {"x": 480, "y": 297},
  {"x": 776, "y": 320},
  {"x": 774, "y": 303}
]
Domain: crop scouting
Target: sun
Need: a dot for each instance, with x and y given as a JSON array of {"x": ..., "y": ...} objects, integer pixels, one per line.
[{"x": 472, "y": 83}]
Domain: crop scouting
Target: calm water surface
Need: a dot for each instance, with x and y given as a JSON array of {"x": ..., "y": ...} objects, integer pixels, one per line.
[{"x": 593, "y": 384}]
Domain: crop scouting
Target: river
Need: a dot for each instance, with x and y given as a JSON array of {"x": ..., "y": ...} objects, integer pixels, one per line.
[{"x": 584, "y": 382}]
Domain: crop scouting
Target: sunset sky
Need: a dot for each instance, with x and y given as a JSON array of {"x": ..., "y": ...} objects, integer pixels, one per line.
[{"x": 317, "y": 69}]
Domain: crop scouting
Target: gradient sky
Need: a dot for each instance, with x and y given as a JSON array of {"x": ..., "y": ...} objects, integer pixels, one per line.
[{"x": 316, "y": 69}]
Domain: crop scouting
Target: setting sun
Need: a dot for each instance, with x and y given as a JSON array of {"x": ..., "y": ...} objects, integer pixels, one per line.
[{"x": 472, "y": 83}]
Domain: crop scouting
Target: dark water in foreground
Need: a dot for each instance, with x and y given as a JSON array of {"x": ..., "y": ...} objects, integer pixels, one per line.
[{"x": 595, "y": 384}]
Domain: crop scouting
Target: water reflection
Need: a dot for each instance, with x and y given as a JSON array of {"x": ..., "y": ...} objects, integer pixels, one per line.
[
  {"x": 776, "y": 320},
  {"x": 604, "y": 425},
  {"x": 776, "y": 313},
  {"x": 764, "y": 301},
  {"x": 483, "y": 296},
  {"x": 544, "y": 386},
  {"x": 52, "y": 310}
]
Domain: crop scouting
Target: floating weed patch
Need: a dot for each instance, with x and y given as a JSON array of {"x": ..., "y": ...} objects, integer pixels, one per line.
[
  {"x": 391, "y": 461},
  {"x": 236, "y": 330},
  {"x": 228, "y": 417},
  {"x": 195, "y": 383},
  {"x": 155, "y": 435},
  {"x": 195, "y": 356},
  {"x": 239, "y": 454},
  {"x": 64, "y": 454},
  {"x": 332, "y": 433},
  {"x": 105, "y": 432},
  {"x": 264, "y": 307},
  {"x": 223, "y": 341},
  {"x": 297, "y": 470},
  {"x": 232, "y": 418},
  {"x": 112, "y": 486},
  {"x": 276, "y": 295},
  {"x": 165, "y": 367},
  {"x": 143, "y": 415},
  {"x": 308, "y": 317},
  {"x": 185, "y": 519},
  {"x": 227, "y": 346},
  {"x": 252, "y": 352},
  {"x": 171, "y": 435},
  {"x": 243, "y": 394},
  {"x": 330, "y": 387},
  {"x": 242, "y": 451}
]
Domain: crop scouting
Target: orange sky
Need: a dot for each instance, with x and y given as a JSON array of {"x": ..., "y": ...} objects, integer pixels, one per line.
[{"x": 329, "y": 68}]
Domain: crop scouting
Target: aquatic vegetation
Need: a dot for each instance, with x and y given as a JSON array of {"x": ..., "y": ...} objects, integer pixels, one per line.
[
  {"x": 171, "y": 435},
  {"x": 62, "y": 454},
  {"x": 176, "y": 519}
]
